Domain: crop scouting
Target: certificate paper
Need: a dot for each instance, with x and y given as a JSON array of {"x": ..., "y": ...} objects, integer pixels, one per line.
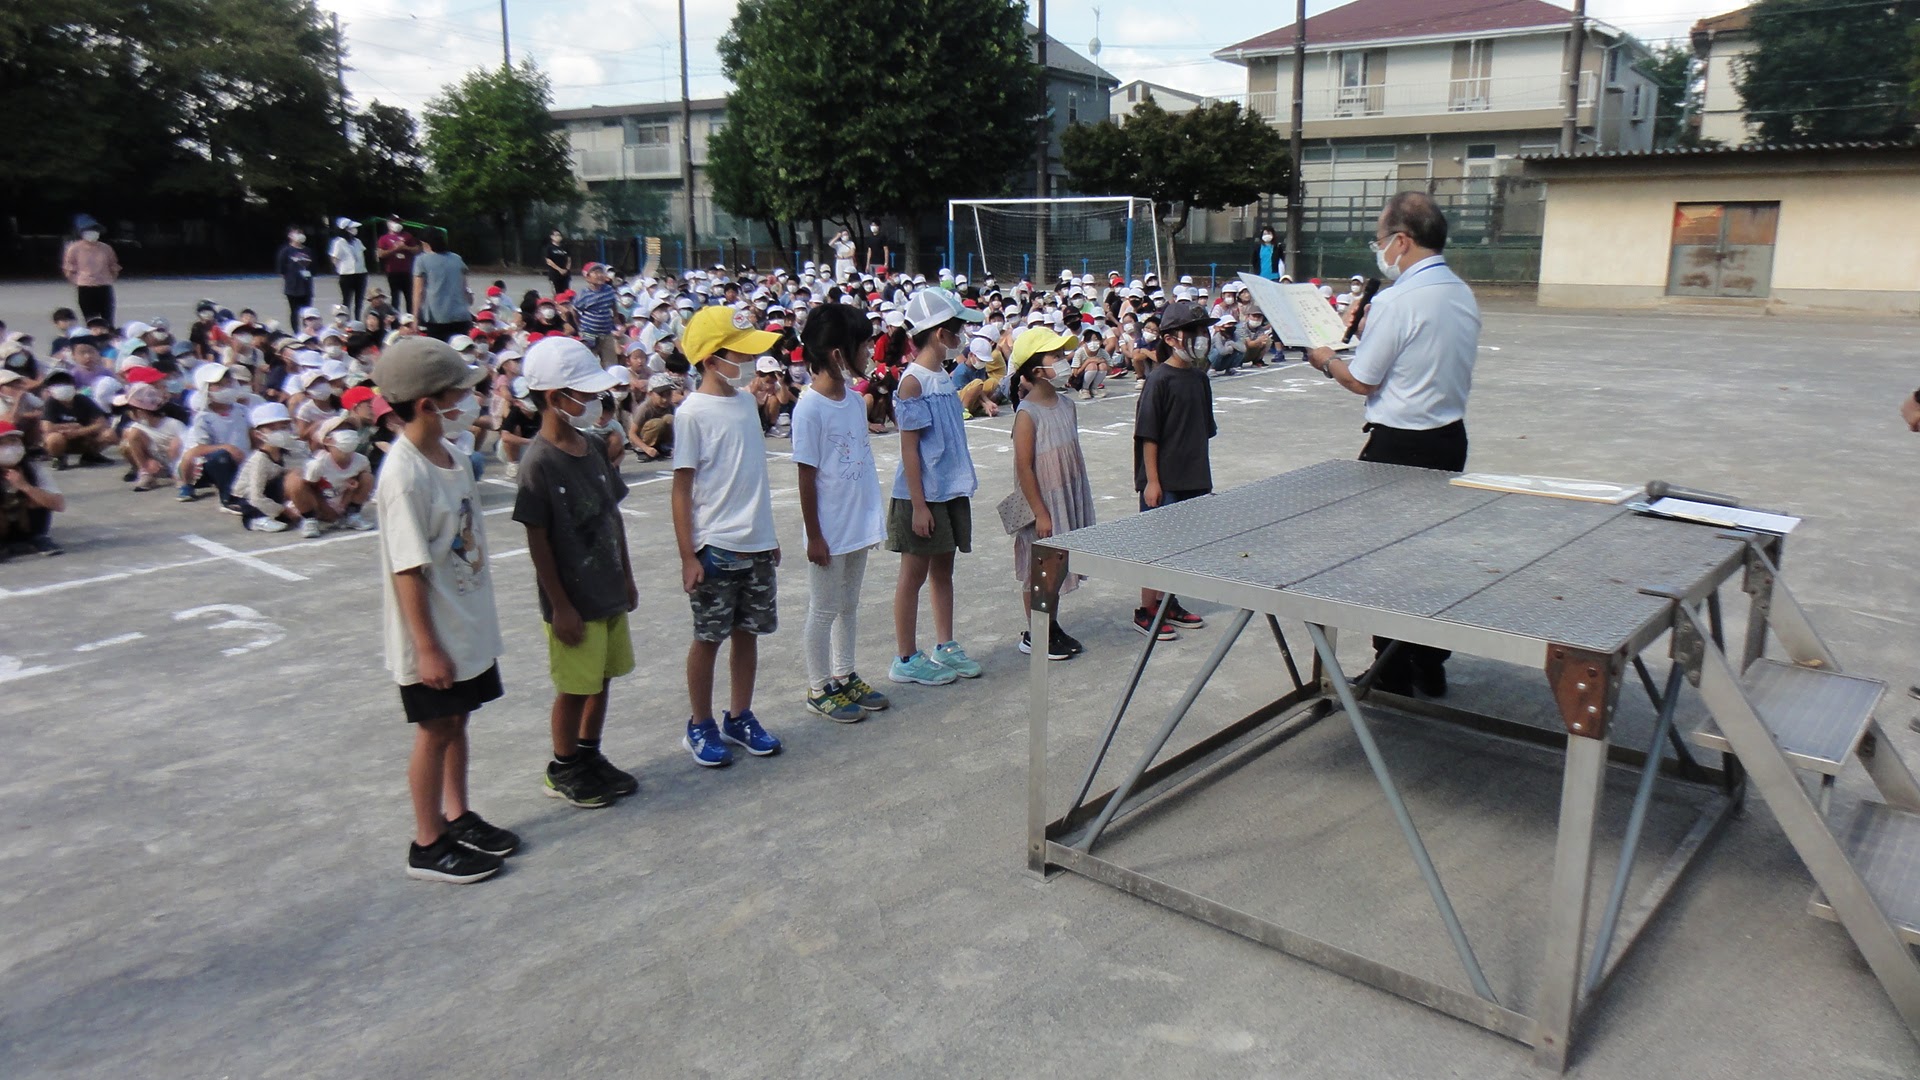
[{"x": 1301, "y": 317}]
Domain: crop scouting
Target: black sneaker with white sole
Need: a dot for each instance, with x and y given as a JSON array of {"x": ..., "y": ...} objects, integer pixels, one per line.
[
  {"x": 1181, "y": 617},
  {"x": 1055, "y": 650},
  {"x": 1064, "y": 640},
  {"x": 470, "y": 830},
  {"x": 1143, "y": 622},
  {"x": 445, "y": 860}
]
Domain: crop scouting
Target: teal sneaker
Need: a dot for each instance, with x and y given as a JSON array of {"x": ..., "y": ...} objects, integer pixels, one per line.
[
  {"x": 863, "y": 695},
  {"x": 920, "y": 668},
  {"x": 831, "y": 702},
  {"x": 955, "y": 659}
]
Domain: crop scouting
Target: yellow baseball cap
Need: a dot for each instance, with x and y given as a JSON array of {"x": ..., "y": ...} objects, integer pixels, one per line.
[
  {"x": 717, "y": 327},
  {"x": 1035, "y": 340}
]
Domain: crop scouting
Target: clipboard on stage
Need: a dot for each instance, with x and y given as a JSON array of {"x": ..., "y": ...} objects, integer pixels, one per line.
[{"x": 1301, "y": 317}]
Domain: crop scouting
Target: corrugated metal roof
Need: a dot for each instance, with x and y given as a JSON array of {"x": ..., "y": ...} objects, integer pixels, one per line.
[{"x": 1745, "y": 150}]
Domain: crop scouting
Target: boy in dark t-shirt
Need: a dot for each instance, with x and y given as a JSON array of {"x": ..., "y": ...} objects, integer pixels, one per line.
[
  {"x": 1173, "y": 419},
  {"x": 569, "y": 502}
]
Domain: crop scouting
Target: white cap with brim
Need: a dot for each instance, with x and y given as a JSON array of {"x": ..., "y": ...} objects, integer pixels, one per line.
[
  {"x": 936, "y": 307},
  {"x": 271, "y": 413},
  {"x": 564, "y": 363}
]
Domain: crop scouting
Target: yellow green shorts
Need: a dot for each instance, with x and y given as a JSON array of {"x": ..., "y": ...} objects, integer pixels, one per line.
[{"x": 605, "y": 652}]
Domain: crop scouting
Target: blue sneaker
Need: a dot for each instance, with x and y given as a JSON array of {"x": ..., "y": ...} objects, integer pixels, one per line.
[
  {"x": 920, "y": 668},
  {"x": 863, "y": 695},
  {"x": 955, "y": 659},
  {"x": 745, "y": 732},
  {"x": 185, "y": 494},
  {"x": 702, "y": 740}
]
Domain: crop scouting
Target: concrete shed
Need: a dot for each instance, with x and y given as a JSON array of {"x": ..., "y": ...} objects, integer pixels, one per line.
[{"x": 1800, "y": 227}]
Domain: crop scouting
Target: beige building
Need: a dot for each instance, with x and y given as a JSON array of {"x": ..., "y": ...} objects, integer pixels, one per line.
[
  {"x": 1722, "y": 43},
  {"x": 1778, "y": 228},
  {"x": 1128, "y": 95},
  {"x": 1401, "y": 93},
  {"x": 641, "y": 144}
]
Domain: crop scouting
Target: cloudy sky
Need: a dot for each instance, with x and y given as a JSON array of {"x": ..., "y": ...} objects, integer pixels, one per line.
[{"x": 608, "y": 52}]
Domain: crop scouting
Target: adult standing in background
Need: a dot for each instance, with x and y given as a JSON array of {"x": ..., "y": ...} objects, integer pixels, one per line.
[
  {"x": 349, "y": 254},
  {"x": 294, "y": 263},
  {"x": 1415, "y": 366},
  {"x": 843, "y": 252},
  {"x": 92, "y": 266},
  {"x": 1269, "y": 255},
  {"x": 879, "y": 249},
  {"x": 559, "y": 262},
  {"x": 442, "y": 303},
  {"x": 396, "y": 250}
]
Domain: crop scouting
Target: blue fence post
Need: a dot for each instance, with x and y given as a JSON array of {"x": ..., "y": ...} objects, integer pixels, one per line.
[
  {"x": 603, "y": 247},
  {"x": 1129, "y": 259},
  {"x": 753, "y": 258},
  {"x": 1026, "y": 267},
  {"x": 945, "y": 256},
  {"x": 680, "y": 251},
  {"x": 1213, "y": 276}
]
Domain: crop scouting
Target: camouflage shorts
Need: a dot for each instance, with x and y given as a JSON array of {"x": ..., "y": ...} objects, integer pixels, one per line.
[{"x": 742, "y": 600}]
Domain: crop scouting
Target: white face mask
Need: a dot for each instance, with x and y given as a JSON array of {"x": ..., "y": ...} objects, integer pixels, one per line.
[
  {"x": 243, "y": 341},
  {"x": 459, "y": 416},
  {"x": 547, "y": 313},
  {"x": 62, "y": 392},
  {"x": 589, "y": 417},
  {"x": 320, "y": 392},
  {"x": 90, "y": 234},
  {"x": 280, "y": 438},
  {"x": 227, "y": 395},
  {"x": 298, "y": 237},
  {"x": 393, "y": 226},
  {"x": 742, "y": 373},
  {"x": 1387, "y": 270},
  {"x": 335, "y": 352},
  {"x": 11, "y": 454},
  {"x": 346, "y": 440}
]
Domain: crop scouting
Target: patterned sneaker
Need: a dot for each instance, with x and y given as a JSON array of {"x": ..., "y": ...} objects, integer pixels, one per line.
[
  {"x": 578, "y": 784},
  {"x": 446, "y": 860},
  {"x": 702, "y": 740},
  {"x": 831, "y": 702},
  {"x": 861, "y": 694},
  {"x": 954, "y": 658},
  {"x": 267, "y": 525},
  {"x": 1055, "y": 650},
  {"x": 618, "y": 782},
  {"x": 1143, "y": 622},
  {"x": 745, "y": 732},
  {"x": 470, "y": 830},
  {"x": 1181, "y": 617},
  {"x": 920, "y": 668}
]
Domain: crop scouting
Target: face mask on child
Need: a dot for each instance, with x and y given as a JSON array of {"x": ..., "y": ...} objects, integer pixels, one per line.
[
  {"x": 227, "y": 395},
  {"x": 11, "y": 454},
  {"x": 460, "y": 415},
  {"x": 61, "y": 392},
  {"x": 280, "y": 439},
  {"x": 345, "y": 440},
  {"x": 589, "y": 417}
]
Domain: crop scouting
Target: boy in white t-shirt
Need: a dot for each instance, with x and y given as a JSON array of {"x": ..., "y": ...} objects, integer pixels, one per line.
[
  {"x": 442, "y": 635},
  {"x": 723, "y": 520},
  {"x": 339, "y": 477}
]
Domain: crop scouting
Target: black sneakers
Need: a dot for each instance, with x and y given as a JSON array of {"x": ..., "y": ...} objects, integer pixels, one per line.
[
  {"x": 470, "y": 830},
  {"x": 1064, "y": 640},
  {"x": 620, "y": 784},
  {"x": 1181, "y": 617},
  {"x": 579, "y": 783},
  {"x": 446, "y": 860},
  {"x": 1055, "y": 650}
]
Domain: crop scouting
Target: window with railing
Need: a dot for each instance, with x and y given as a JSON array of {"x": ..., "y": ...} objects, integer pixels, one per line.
[
  {"x": 1362, "y": 87},
  {"x": 1471, "y": 88}
]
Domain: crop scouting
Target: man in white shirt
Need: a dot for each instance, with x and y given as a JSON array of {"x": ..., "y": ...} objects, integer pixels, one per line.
[
  {"x": 1415, "y": 367},
  {"x": 349, "y": 255}
]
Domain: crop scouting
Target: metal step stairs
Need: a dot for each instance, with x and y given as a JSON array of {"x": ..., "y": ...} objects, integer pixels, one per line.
[{"x": 1788, "y": 721}]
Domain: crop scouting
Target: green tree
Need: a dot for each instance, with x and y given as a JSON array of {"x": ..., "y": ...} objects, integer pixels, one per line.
[
  {"x": 495, "y": 150},
  {"x": 389, "y": 173},
  {"x": 1672, "y": 67},
  {"x": 629, "y": 207},
  {"x": 863, "y": 108},
  {"x": 1211, "y": 158},
  {"x": 184, "y": 103},
  {"x": 1822, "y": 70}
]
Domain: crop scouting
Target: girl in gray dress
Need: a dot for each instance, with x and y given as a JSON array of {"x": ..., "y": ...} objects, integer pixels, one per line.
[{"x": 1047, "y": 464}]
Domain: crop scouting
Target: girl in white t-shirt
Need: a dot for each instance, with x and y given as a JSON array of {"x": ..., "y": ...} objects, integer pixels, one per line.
[
  {"x": 314, "y": 407},
  {"x": 152, "y": 441},
  {"x": 340, "y": 479},
  {"x": 841, "y": 506}
]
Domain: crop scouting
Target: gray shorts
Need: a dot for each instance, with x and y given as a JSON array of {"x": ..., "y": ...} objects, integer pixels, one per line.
[{"x": 736, "y": 600}]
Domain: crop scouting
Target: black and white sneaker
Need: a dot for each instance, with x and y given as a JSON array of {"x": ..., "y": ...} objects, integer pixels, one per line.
[
  {"x": 1181, "y": 617},
  {"x": 470, "y": 830},
  {"x": 617, "y": 781},
  {"x": 1055, "y": 650},
  {"x": 445, "y": 860},
  {"x": 1064, "y": 640}
]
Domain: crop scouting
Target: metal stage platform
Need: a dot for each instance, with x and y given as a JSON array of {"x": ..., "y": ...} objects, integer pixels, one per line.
[{"x": 1582, "y": 591}]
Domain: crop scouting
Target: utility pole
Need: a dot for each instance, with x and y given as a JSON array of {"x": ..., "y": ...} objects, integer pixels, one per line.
[
  {"x": 506, "y": 51},
  {"x": 1042, "y": 181},
  {"x": 1296, "y": 210},
  {"x": 340, "y": 75},
  {"x": 1576, "y": 41},
  {"x": 686, "y": 141}
]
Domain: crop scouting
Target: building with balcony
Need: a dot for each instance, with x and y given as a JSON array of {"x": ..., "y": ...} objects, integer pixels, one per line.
[
  {"x": 1079, "y": 91},
  {"x": 632, "y": 152},
  {"x": 1722, "y": 44},
  {"x": 1442, "y": 95}
]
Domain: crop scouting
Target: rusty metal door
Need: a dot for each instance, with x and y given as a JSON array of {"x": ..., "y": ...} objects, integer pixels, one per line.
[{"x": 1723, "y": 249}]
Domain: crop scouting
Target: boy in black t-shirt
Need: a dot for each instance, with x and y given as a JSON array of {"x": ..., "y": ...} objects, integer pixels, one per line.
[
  {"x": 1173, "y": 419},
  {"x": 72, "y": 423}
]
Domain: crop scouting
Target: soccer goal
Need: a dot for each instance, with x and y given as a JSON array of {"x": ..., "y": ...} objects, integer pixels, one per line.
[{"x": 1035, "y": 239}]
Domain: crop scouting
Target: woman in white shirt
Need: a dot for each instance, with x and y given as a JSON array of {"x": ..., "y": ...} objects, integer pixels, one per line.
[{"x": 349, "y": 255}]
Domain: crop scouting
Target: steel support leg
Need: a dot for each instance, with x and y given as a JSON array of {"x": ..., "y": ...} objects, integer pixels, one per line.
[
  {"x": 1688, "y": 764},
  {"x": 1120, "y": 709},
  {"x": 1580, "y": 789},
  {"x": 1286, "y": 654},
  {"x": 1636, "y": 821},
  {"x": 1331, "y": 664},
  {"x": 1240, "y": 620},
  {"x": 1039, "y": 629}
]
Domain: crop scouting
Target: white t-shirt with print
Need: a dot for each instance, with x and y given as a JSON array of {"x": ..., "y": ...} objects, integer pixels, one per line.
[
  {"x": 430, "y": 517},
  {"x": 330, "y": 478},
  {"x": 831, "y": 436},
  {"x": 719, "y": 438}
]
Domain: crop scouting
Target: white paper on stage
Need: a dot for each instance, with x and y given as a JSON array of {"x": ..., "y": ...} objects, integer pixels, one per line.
[
  {"x": 1301, "y": 317},
  {"x": 1555, "y": 487},
  {"x": 1730, "y": 516}
]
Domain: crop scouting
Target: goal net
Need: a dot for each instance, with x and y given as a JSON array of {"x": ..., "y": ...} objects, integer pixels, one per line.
[{"x": 1036, "y": 239}]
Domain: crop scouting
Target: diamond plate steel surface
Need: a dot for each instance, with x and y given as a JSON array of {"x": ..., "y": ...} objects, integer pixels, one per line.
[
  {"x": 1280, "y": 554},
  {"x": 1817, "y": 717},
  {"x": 1884, "y": 845},
  {"x": 1147, "y": 538},
  {"x": 1586, "y": 594},
  {"x": 1433, "y": 570}
]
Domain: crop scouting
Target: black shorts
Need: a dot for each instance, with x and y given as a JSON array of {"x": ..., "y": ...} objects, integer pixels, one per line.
[
  {"x": 1168, "y": 498},
  {"x": 423, "y": 702}
]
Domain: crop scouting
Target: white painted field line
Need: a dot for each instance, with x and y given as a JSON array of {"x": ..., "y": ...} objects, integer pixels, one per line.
[
  {"x": 214, "y": 547},
  {"x": 107, "y": 643}
]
